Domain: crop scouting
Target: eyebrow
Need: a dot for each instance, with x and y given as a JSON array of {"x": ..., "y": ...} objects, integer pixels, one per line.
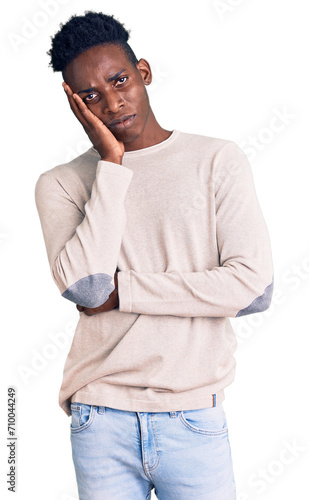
[{"x": 109, "y": 80}]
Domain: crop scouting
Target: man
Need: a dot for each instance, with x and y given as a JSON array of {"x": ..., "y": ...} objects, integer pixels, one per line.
[{"x": 158, "y": 238}]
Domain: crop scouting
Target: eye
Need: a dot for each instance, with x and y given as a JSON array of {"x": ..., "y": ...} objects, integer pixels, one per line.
[
  {"x": 89, "y": 98},
  {"x": 121, "y": 78}
]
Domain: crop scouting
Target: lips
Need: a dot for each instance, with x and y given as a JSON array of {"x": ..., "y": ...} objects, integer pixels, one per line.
[{"x": 126, "y": 123}]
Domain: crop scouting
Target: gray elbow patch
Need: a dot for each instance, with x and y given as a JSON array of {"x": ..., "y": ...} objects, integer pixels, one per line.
[
  {"x": 259, "y": 304},
  {"x": 90, "y": 291}
]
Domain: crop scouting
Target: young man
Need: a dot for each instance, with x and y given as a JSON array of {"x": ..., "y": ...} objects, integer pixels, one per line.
[{"x": 158, "y": 238}]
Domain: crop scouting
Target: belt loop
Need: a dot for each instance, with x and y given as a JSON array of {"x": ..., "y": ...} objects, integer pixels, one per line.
[
  {"x": 173, "y": 413},
  {"x": 214, "y": 397}
]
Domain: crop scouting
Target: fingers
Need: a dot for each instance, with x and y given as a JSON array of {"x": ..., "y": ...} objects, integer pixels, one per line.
[
  {"x": 74, "y": 105},
  {"x": 82, "y": 112},
  {"x": 92, "y": 120},
  {"x": 90, "y": 311}
]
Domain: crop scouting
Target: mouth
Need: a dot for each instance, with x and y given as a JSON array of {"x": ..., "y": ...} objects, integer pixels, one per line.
[{"x": 123, "y": 124}]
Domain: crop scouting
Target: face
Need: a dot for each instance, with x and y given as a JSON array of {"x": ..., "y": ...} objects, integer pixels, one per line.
[{"x": 112, "y": 88}]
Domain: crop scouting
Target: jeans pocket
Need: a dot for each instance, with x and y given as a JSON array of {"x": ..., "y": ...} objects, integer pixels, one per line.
[
  {"x": 82, "y": 416},
  {"x": 210, "y": 421}
]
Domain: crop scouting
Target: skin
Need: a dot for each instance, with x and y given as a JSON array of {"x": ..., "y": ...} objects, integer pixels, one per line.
[{"x": 107, "y": 101}]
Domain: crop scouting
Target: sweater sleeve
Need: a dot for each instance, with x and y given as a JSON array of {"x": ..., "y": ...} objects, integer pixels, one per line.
[
  {"x": 83, "y": 249},
  {"x": 242, "y": 283}
]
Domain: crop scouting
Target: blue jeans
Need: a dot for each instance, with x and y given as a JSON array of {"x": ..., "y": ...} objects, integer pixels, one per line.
[{"x": 123, "y": 455}]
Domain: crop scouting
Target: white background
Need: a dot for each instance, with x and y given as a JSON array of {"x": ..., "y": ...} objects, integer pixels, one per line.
[{"x": 221, "y": 68}]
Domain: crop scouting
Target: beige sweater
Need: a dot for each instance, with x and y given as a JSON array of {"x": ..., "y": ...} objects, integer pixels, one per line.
[{"x": 182, "y": 223}]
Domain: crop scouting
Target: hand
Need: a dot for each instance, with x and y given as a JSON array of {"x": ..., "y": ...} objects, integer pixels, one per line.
[{"x": 101, "y": 137}]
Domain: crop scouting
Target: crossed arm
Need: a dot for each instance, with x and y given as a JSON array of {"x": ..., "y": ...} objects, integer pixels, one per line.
[
  {"x": 242, "y": 283},
  {"x": 83, "y": 262}
]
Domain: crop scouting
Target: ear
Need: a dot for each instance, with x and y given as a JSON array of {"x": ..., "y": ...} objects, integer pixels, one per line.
[{"x": 144, "y": 69}]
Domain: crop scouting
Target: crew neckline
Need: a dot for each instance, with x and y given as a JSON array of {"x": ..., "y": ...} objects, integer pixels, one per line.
[{"x": 149, "y": 149}]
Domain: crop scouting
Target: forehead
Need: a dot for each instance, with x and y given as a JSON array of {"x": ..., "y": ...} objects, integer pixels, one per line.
[{"x": 102, "y": 61}]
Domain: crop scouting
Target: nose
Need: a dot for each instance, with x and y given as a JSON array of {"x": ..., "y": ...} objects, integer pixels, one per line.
[{"x": 111, "y": 103}]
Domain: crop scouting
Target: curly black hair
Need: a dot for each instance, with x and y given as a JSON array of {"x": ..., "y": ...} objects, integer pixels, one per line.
[{"x": 80, "y": 33}]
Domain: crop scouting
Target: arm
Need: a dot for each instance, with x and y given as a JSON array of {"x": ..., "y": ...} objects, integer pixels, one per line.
[
  {"x": 83, "y": 249},
  {"x": 241, "y": 284}
]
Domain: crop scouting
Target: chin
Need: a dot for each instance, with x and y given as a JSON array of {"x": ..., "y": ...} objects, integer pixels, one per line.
[{"x": 128, "y": 134}]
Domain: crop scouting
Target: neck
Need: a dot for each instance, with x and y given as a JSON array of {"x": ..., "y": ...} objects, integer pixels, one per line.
[{"x": 152, "y": 134}]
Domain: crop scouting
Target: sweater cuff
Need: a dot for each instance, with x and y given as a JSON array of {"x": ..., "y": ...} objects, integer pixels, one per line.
[
  {"x": 115, "y": 168},
  {"x": 124, "y": 291}
]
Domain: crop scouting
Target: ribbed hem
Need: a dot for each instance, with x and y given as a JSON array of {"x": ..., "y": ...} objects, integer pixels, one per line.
[{"x": 168, "y": 402}]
